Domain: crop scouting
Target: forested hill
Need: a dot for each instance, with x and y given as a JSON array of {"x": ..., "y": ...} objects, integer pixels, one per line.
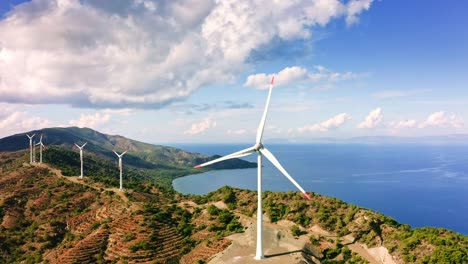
[
  {"x": 157, "y": 164},
  {"x": 143, "y": 154}
]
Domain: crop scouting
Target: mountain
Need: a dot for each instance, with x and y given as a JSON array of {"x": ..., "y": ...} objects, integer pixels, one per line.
[{"x": 151, "y": 162}]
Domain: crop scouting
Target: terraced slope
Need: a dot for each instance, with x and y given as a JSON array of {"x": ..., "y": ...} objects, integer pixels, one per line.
[{"x": 45, "y": 217}]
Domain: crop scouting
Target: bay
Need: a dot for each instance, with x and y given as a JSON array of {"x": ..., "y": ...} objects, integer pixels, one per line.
[{"x": 420, "y": 185}]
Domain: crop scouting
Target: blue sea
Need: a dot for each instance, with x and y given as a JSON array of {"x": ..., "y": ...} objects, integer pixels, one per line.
[{"x": 419, "y": 185}]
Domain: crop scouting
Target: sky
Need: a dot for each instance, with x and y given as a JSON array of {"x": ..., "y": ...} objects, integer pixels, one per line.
[{"x": 198, "y": 71}]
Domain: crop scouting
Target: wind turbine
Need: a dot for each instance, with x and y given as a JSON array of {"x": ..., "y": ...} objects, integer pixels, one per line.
[
  {"x": 120, "y": 166},
  {"x": 40, "y": 150},
  {"x": 81, "y": 157},
  {"x": 30, "y": 147},
  {"x": 261, "y": 151}
]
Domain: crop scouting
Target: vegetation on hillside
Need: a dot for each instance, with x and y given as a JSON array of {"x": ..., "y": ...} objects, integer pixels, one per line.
[
  {"x": 140, "y": 155},
  {"x": 419, "y": 245},
  {"x": 46, "y": 218},
  {"x": 100, "y": 170}
]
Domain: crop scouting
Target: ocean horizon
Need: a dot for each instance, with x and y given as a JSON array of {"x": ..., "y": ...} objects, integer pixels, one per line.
[{"x": 420, "y": 185}]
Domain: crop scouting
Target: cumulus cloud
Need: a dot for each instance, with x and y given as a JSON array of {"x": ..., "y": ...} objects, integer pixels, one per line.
[
  {"x": 285, "y": 76},
  {"x": 402, "y": 124},
  {"x": 372, "y": 119},
  {"x": 237, "y": 132},
  {"x": 20, "y": 121},
  {"x": 294, "y": 74},
  {"x": 143, "y": 53},
  {"x": 440, "y": 119},
  {"x": 91, "y": 121},
  {"x": 326, "y": 125},
  {"x": 201, "y": 126},
  {"x": 354, "y": 8}
]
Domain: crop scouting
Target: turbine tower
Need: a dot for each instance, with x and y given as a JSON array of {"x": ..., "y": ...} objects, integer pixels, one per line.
[
  {"x": 261, "y": 151},
  {"x": 34, "y": 151},
  {"x": 30, "y": 147},
  {"x": 41, "y": 145},
  {"x": 120, "y": 166},
  {"x": 81, "y": 157}
]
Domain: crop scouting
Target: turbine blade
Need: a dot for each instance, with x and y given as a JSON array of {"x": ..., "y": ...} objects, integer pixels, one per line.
[
  {"x": 115, "y": 153},
  {"x": 123, "y": 153},
  {"x": 234, "y": 155},
  {"x": 84, "y": 144},
  {"x": 261, "y": 127},
  {"x": 275, "y": 162},
  {"x": 76, "y": 145}
]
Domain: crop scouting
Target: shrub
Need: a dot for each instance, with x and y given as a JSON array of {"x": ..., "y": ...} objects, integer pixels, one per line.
[
  {"x": 213, "y": 210},
  {"x": 314, "y": 241},
  {"x": 96, "y": 225},
  {"x": 140, "y": 245},
  {"x": 296, "y": 231},
  {"x": 129, "y": 237}
]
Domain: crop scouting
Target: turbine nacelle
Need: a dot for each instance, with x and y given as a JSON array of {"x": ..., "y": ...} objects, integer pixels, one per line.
[
  {"x": 257, "y": 147},
  {"x": 81, "y": 146}
]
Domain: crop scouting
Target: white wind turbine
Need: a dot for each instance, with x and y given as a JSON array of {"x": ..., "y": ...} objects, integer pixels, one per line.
[
  {"x": 30, "y": 147},
  {"x": 41, "y": 145},
  {"x": 81, "y": 157},
  {"x": 120, "y": 166},
  {"x": 261, "y": 151}
]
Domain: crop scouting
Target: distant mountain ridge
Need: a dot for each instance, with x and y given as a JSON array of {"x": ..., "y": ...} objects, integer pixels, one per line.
[{"x": 140, "y": 154}]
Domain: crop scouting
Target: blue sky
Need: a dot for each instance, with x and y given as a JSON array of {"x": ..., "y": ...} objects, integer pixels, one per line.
[{"x": 179, "y": 71}]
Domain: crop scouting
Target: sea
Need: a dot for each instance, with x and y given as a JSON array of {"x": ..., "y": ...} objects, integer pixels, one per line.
[{"x": 420, "y": 185}]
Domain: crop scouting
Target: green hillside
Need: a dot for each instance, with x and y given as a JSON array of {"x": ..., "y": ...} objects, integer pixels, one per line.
[
  {"x": 48, "y": 218},
  {"x": 159, "y": 164}
]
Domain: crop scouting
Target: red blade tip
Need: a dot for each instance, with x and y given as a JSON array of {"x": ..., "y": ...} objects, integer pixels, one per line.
[
  {"x": 198, "y": 166},
  {"x": 272, "y": 80},
  {"x": 307, "y": 195}
]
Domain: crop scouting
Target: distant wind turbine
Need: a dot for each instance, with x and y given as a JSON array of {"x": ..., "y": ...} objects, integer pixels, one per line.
[
  {"x": 120, "y": 166},
  {"x": 30, "y": 147},
  {"x": 261, "y": 150},
  {"x": 81, "y": 157},
  {"x": 41, "y": 145}
]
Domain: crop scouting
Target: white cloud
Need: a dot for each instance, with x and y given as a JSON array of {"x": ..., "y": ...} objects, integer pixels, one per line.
[
  {"x": 372, "y": 119},
  {"x": 20, "y": 121},
  {"x": 355, "y": 7},
  {"x": 285, "y": 76},
  {"x": 326, "y": 125},
  {"x": 143, "y": 53},
  {"x": 237, "y": 132},
  {"x": 402, "y": 124},
  {"x": 294, "y": 74},
  {"x": 91, "y": 121},
  {"x": 201, "y": 126},
  {"x": 440, "y": 119}
]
